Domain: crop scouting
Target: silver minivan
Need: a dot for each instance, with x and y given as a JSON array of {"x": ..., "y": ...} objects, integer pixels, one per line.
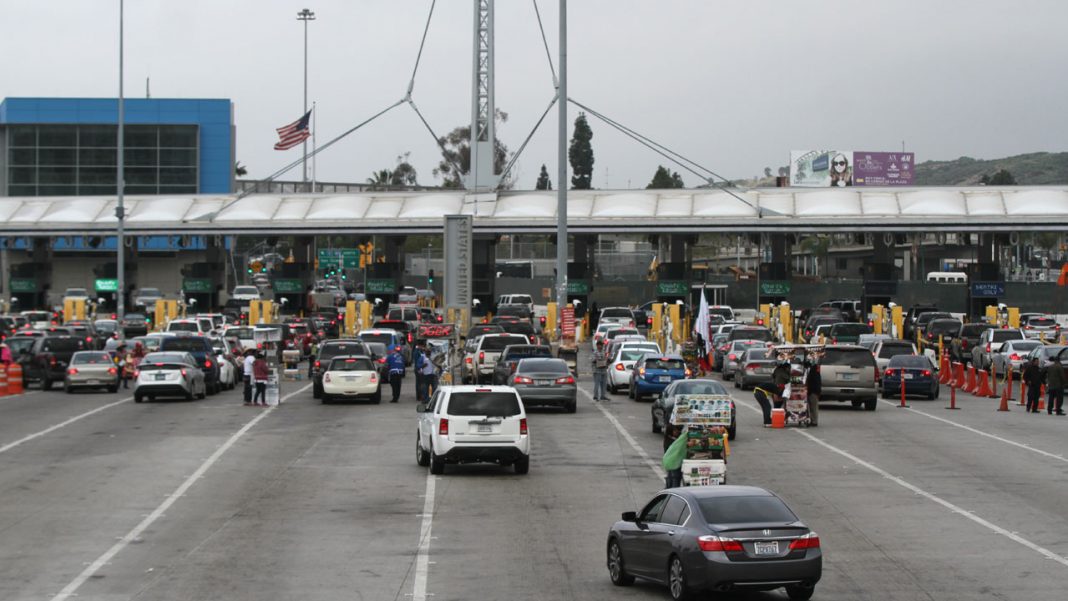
[{"x": 847, "y": 373}]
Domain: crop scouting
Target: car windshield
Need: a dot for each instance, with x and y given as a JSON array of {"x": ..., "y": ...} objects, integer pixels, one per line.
[
  {"x": 628, "y": 354},
  {"x": 484, "y": 403},
  {"x": 745, "y": 510},
  {"x": 855, "y": 358},
  {"x": 744, "y": 345},
  {"x": 1005, "y": 335},
  {"x": 699, "y": 387},
  {"x": 62, "y": 345},
  {"x": 352, "y": 364},
  {"x": 974, "y": 329},
  {"x": 757, "y": 355},
  {"x": 385, "y": 339},
  {"x": 246, "y": 290},
  {"x": 751, "y": 334},
  {"x": 377, "y": 349},
  {"x": 19, "y": 345},
  {"x": 889, "y": 350},
  {"x": 514, "y": 310},
  {"x": 625, "y": 313},
  {"x": 341, "y": 349},
  {"x": 1041, "y": 322},
  {"x": 192, "y": 344},
  {"x": 612, "y": 335},
  {"x": 913, "y": 361},
  {"x": 850, "y": 329},
  {"x": 497, "y": 343},
  {"x": 547, "y": 366},
  {"x": 664, "y": 363},
  {"x": 943, "y": 327},
  {"x": 240, "y": 333},
  {"x": 1022, "y": 346},
  {"x": 518, "y": 327},
  {"x": 183, "y": 326},
  {"x": 91, "y": 359},
  {"x": 477, "y": 331},
  {"x": 528, "y": 351}
]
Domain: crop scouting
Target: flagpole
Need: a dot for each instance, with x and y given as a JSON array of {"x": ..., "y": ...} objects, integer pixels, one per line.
[
  {"x": 315, "y": 158},
  {"x": 305, "y": 15}
]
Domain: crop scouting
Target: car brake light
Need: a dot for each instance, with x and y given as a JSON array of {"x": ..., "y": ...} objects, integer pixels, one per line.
[
  {"x": 467, "y": 359},
  {"x": 533, "y": 340},
  {"x": 374, "y": 378},
  {"x": 752, "y": 367},
  {"x": 409, "y": 337},
  {"x": 88, "y": 338},
  {"x": 183, "y": 371},
  {"x": 72, "y": 371},
  {"x": 715, "y": 543},
  {"x": 565, "y": 380},
  {"x": 732, "y": 357},
  {"x": 380, "y": 360},
  {"x": 760, "y": 322},
  {"x": 927, "y": 373},
  {"x": 326, "y": 377},
  {"x": 523, "y": 380},
  {"x": 988, "y": 347},
  {"x": 834, "y": 341},
  {"x": 541, "y": 320},
  {"x": 888, "y": 372},
  {"x": 207, "y": 363},
  {"x": 523, "y": 426},
  {"x": 871, "y": 323},
  {"x": 619, "y": 367},
  {"x": 113, "y": 371},
  {"x": 808, "y": 541},
  {"x": 443, "y": 426},
  {"x": 318, "y": 364},
  {"x": 481, "y": 356},
  {"x": 1014, "y": 357}
]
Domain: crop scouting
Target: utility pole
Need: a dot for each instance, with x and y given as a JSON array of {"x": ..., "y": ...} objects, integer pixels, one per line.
[
  {"x": 120, "y": 183},
  {"x": 480, "y": 174},
  {"x": 561, "y": 172},
  {"x": 305, "y": 15}
]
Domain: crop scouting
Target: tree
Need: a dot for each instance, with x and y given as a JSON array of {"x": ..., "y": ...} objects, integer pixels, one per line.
[
  {"x": 580, "y": 155},
  {"x": 380, "y": 180},
  {"x": 543, "y": 180},
  {"x": 664, "y": 179},
  {"x": 1001, "y": 178},
  {"x": 239, "y": 169},
  {"x": 404, "y": 173},
  {"x": 457, "y": 153}
]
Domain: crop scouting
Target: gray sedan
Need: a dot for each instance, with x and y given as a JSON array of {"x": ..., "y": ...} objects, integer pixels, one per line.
[
  {"x": 756, "y": 369},
  {"x": 719, "y": 538},
  {"x": 91, "y": 369},
  {"x": 545, "y": 382}
]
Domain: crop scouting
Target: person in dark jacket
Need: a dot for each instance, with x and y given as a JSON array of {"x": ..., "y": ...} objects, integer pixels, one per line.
[
  {"x": 1032, "y": 376},
  {"x": 261, "y": 372},
  {"x": 814, "y": 384},
  {"x": 395, "y": 361},
  {"x": 1055, "y": 386}
]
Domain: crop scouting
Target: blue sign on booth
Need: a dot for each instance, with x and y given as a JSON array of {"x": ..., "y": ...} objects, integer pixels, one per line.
[{"x": 988, "y": 289}]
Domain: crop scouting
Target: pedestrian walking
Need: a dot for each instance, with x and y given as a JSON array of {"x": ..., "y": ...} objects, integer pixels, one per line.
[
  {"x": 672, "y": 461},
  {"x": 1055, "y": 387},
  {"x": 261, "y": 372},
  {"x": 814, "y": 384},
  {"x": 395, "y": 360},
  {"x": 418, "y": 355},
  {"x": 427, "y": 373},
  {"x": 600, "y": 371},
  {"x": 246, "y": 369},
  {"x": 1032, "y": 375}
]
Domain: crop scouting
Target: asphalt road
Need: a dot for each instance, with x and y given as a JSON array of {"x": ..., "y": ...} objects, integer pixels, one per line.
[{"x": 105, "y": 499}]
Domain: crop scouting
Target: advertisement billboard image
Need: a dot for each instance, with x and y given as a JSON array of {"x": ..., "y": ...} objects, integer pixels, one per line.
[
  {"x": 883, "y": 168},
  {"x": 842, "y": 168}
]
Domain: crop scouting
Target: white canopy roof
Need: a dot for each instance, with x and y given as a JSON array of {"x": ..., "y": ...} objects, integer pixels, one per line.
[{"x": 677, "y": 211}]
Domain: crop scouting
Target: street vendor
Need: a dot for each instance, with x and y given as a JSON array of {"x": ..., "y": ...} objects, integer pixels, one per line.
[
  {"x": 780, "y": 378},
  {"x": 814, "y": 385}
]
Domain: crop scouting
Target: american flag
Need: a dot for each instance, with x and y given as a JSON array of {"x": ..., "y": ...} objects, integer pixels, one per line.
[{"x": 294, "y": 133}]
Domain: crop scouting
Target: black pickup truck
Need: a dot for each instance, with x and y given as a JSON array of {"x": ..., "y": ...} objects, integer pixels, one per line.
[{"x": 48, "y": 359}]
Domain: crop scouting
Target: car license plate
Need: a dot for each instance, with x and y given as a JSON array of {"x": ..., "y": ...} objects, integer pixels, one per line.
[
  {"x": 908, "y": 376},
  {"x": 351, "y": 378},
  {"x": 665, "y": 378},
  {"x": 543, "y": 382},
  {"x": 161, "y": 376},
  {"x": 769, "y": 548},
  {"x": 485, "y": 429},
  {"x": 94, "y": 381},
  {"x": 848, "y": 377}
]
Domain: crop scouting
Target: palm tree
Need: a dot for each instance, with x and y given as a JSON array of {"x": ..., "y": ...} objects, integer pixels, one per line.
[
  {"x": 239, "y": 169},
  {"x": 380, "y": 179}
]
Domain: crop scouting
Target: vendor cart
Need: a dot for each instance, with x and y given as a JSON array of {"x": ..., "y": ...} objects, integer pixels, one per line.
[
  {"x": 795, "y": 397},
  {"x": 568, "y": 351},
  {"x": 704, "y": 420}
]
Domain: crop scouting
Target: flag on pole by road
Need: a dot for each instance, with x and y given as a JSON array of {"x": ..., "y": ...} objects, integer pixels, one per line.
[
  {"x": 701, "y": 324},
  {"x": 294, "y": 133}
]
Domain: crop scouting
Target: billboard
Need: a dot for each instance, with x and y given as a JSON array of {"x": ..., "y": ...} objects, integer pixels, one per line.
[{"x": 842, "y": 168}]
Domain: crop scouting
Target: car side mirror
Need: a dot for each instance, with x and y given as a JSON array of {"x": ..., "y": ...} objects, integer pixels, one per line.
[
  {"x": 630, "y": 516},
  {"x": 420, "y": 408}
]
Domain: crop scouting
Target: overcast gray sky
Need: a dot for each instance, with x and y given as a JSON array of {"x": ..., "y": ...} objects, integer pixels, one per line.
[{"x": 733, "y": 85}]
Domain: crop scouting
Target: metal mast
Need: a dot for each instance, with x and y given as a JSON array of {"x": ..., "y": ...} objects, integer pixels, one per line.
[
  {"x": 561, "y": 166},
  {"x": 305, "y": 15},
  {"x": 481, "y": 176},
  {"x": 120, "y": 187}
]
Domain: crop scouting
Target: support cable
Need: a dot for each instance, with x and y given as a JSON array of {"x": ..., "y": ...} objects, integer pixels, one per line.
[
  {"x": 545, "y": 42},
  {"x": 515, "y": 155},
  {"x": 419, "y": 55},
  {"x": 437, "y": 140}
]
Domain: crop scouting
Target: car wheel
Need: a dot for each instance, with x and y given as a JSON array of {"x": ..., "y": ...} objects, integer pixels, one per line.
[
  {"x": 677, "y": 580},
  {"x": 67, "y": 388},
  {"x": 616, "y": 570},
  {"x": 113, "y": 388},
  {"x": 936, "y": 391},
  {"x": 571, "y": 407},
  {"x": 656, "y": 426},
  {"x": 612, "y": 389},
  {"x": 189, "y": 396},
  {"x": 857, "y": 404},
  {"x": 421, "y": 456},
  {"x": 377, "y": 398},
  {"x": 46, "y": 384},
  {"x": 731, "y": 431},
  {"x": 437, "y": 463},
  {"x": 800, "y": 592},
  {"x": 325, "y": 398},
  {"x": 522, "y": 465},
  {"x": 630, "y": 392},
  {"x": 138, "y": 398},
  {"x": 870, "y": 405},
  {"x": 737, "y": 383},
  {"x": 317, "y": 391}
]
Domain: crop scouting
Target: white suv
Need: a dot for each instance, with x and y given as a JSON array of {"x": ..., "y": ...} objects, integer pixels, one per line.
[{"x": 469, "y": 424}]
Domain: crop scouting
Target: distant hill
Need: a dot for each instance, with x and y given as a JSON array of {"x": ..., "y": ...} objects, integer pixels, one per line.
[{"x": 1035, "y": 169}]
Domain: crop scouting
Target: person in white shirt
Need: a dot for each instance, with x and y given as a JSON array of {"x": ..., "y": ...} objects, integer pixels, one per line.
[{"x": 250, "y": 359}]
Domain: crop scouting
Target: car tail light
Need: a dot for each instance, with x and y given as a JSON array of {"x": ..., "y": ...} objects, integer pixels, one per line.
[
  {"x": 888, "y": 372},
  {"x": 443, "y": 426},
  {"x": 834, "y": 341},
  {"x": 871, "y": 323},
  {"x": 760, "y": 322},
  {"x": 467, "y": 359},
  {"x": 409, "y": 337},
  {"x": 88, "y": 338},
  {"x": 381, "y": 359},
  {"x": 52, "y": 361},
  {"x": 565, "y": 380},
  {"x": 808, "y": 541},
  {"x": 374, "y": 378},
  {"x": 1027, "y": 327},
  {"x": 72, "y": 371},
  {"x": 319, "y": 364},
  {"x": 326, "y": 377},
  {"x": 715, "y": 543},
  {"x": 927, "y": 373},
  {"x": 930, "y": 335},
  {"x": 1014, "y": 357},
  {"x": 481, "y": 356},
  {"x": 533, "y": 339},
  {"x": 648, "y": 321},
  {"x": 541, "y": 320},
  {"x": 183, "y": 372},
  {"x": 113, "y": 371},
  {"x": 752, "y": 367},
  {"x": 207, "y": 363},
  {"x": 732, "y": 357},
  {"x": 512, "y": 367},
  {"x": 523, "y": 426},
  {"x": 964, "y": 343},
  {"x": 988, "y": 347},
  {"x": 619, "y": 367},
  {"x": 523, "y": 380}
]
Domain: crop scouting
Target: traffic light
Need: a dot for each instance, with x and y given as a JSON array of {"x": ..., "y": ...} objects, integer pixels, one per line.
[{"x": 430, "y": 278}]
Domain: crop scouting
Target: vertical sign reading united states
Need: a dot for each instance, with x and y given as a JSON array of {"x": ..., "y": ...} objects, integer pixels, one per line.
[{"x": 458, "y": 243}]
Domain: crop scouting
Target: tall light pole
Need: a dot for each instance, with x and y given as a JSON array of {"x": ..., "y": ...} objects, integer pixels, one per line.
[
  {"x": 120, "y": 184},
  {"x": 305, "y": 15},
  {"x": 561, "y": 173}
]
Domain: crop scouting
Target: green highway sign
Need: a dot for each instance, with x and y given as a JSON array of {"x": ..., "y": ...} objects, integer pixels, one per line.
[
  {"x": 106, "y": 285},
  {"x": 23, "y": 285},
  {"x": 578, "y": 287},
  {"x": 199, "y": 285},
  {"x": 672, "y": 288},
  {"x": 288, "y": 286},
  {"x": 380, "y": 287},
  {"x": 774, "y": 288},
  {"x": 348, "y": 258}
]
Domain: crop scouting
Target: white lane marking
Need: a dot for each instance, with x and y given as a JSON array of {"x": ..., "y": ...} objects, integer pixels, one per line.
[
  {"x": 923, "y": 493},
  {"x": 986, "y": 434},
  {"x": 71, "y": 589},
  {"x": 656, "y": 467},
  {"x": 422, "y": 559},
  {"x": 68, "y": 422}
]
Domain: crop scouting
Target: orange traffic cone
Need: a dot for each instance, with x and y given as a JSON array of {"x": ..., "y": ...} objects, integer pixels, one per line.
[
  {"x": 14, "y": 379},
  {"x": 1042, "y": 398},
  {"x": 971, "y": 385},
  {"x": 945, "y": 371},
  {"x": 1004, "y": 406},
  {"x": 983, "y": 390}
]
